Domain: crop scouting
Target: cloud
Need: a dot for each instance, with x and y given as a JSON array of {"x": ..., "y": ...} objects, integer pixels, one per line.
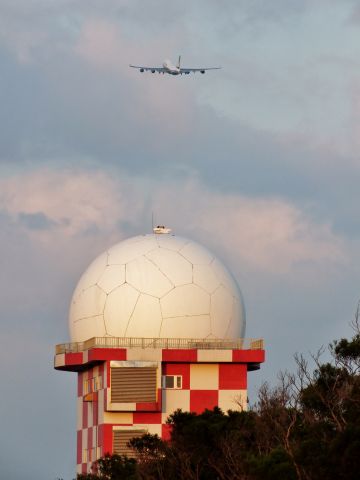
[
  {"x": 78, "y": 103},
  {"x": 48, "y": 215},
  {"x": 35, "y": 221},
  {"x": 105, "y": 47},
  {"x": 354, "y": 15},
  {"x": 354, "y": 124},
  {"x": 30, "y": 353},
  {"x": 70, "y": 201},
  {"x": 266, "y": 234}
]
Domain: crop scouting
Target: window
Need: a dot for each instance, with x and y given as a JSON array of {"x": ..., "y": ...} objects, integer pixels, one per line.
[
  {"x": 89, "y": 455},
  {"x": 98, "y": 452},
  {"x": 98, "y": 383},
  {"x": 86, "y": 387},
  {"x": 92, "y": 385},
  {"x": 172, "y": 381}
]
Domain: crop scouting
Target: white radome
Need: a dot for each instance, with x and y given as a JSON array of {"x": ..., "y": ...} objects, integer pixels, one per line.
[{"x": 157, "y": 286}]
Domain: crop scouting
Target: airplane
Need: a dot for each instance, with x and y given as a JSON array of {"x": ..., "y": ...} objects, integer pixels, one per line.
[{"x": 171, "y": 69}]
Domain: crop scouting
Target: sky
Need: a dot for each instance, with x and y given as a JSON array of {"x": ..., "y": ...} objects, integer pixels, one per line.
[{"x": 258, "y": 161}]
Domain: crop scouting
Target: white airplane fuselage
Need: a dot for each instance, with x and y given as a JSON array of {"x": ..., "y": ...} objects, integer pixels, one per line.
[{"x": 170, "y": 68}]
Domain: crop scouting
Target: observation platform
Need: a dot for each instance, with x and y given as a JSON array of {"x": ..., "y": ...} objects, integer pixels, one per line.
[{"x": 79, "y": 356}]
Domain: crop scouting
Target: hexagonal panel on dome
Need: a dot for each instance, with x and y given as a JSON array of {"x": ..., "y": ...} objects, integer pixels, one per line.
[
  {"x": 146, "y": 318},
  {"x": 172, "y": 265},
  {"x": 186, "y": 300},
  {"x": 206, "y": 278},
  {"x": 146, "y": 277},
  {"x": 171, "y": 242},
  {"x": 125, "y": 252},
  {"x": 87, "y": 328},
  {"x": 237, "y": 329},
  {"x": 112, "y": 277},
  {"x": 119, "y": 307},
  {"x": 89, "y": 303},
  {"x": 196, "y": 254},
  {"x": 129, "y": 240},
  {"x": 186, "y": 327},
  {"x": 225, "y": 276},
  {"x": 221, "y": 311},
  {"x": 91, "y": 274}
]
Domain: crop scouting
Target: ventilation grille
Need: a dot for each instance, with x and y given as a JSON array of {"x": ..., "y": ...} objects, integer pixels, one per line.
[
  {"x": 133, "y": 384},
  {"x": 121, "y": 439}
]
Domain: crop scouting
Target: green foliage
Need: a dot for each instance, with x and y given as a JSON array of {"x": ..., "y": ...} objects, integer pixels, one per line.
[
  {"x": 273, "y": 466},
  {"x": 347, "y": 349},
  {"x": 112, "y": 467},
  {"x": 148, "y": 446},
  {"x": 323, "y": 394}
]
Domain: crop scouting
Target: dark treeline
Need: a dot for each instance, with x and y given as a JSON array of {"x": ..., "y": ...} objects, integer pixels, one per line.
[{"x": 306, "y": 428}]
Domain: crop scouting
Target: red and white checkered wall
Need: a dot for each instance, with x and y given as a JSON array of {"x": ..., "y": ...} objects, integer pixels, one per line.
[{"x": 204, "y": 385}]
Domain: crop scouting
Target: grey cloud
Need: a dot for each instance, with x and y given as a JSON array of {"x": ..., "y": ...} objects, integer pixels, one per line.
[
  {"x": 24, "y": 109},
  {"x": 354, "y": 17},
  {"x": 68, "y": 112},
  {"x": 30, "y": 379},
  {"x": 67, "y": 15},
  {"x": 246, "y": 14},
  {"x": 91, "y": 230},
  {"x": 90, "y": 115},
  {"x": 35, "y": 221}
]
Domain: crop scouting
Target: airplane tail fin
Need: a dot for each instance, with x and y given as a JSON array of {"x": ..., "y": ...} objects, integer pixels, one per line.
[{"x": 178, "y": 63}]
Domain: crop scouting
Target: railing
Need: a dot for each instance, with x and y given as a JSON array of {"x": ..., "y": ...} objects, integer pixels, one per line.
[{"x": 172, "y": 343}]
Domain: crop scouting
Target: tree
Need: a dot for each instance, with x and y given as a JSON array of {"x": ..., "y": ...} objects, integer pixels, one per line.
[{"x": 111, "y": 467}]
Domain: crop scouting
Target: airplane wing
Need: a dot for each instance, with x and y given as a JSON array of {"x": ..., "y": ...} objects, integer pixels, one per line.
[
  {"x": 194, "y": 70},
  {"x": 149, "y": 69}
]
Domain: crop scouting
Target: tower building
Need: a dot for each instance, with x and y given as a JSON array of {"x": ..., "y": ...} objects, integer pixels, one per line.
[{"x": 156, "y": 323}]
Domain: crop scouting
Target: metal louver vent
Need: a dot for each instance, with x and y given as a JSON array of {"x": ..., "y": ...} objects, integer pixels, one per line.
[
  {"x": 133, "y": 384},
  {"x": 121, "y": 439}
]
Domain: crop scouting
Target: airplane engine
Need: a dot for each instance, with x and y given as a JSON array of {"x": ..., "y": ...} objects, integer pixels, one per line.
[
  {"x": 202, "y": 71},
  {"x": 141, "y": 70},
  {"x": 152, "y": 71}
]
